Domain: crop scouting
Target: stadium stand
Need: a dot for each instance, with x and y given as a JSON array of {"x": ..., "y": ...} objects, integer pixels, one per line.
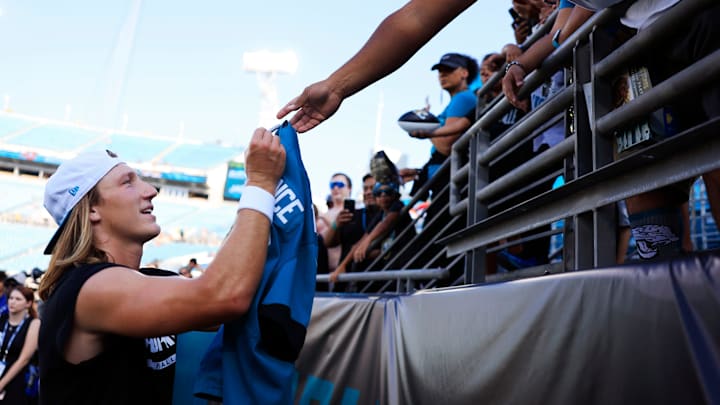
[
  {"x": 11, "y": 125},
  {"x": 21, "y": 192},
  {"x": 135, "y": 149},
  {"x": 198, "y": 156},
  {"x": 61, "y": 139}
]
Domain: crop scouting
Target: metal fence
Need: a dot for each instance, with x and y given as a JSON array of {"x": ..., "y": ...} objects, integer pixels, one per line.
[{"x": 491, "y": 209}]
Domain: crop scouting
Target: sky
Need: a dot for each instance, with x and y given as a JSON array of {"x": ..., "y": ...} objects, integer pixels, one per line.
[{"x": 167, "y": 65}]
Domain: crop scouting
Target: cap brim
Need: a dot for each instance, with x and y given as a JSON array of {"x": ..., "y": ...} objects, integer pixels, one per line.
[
  {"x": 450, "y": 65},
  {"x": 51, "y": 245}
]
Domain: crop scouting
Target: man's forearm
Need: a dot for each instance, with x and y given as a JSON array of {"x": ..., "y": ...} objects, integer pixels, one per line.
[
  {"x": 384, "y": 226},
  {"x": 237, "y": 268}
]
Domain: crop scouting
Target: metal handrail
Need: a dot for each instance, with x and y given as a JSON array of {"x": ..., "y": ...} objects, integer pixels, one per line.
[
  {"x": 527, "y": 169},
  {"x": 690, "y": 78},
  {"x": 414, "y": 274},
  {"x": 664, "y": 27}
]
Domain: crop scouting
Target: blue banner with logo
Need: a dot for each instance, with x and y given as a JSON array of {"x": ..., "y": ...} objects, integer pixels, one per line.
[{"x": 234, "y": 181}]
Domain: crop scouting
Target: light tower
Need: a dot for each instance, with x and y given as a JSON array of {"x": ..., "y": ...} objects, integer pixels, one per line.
[{"x": 266, "y": 66}]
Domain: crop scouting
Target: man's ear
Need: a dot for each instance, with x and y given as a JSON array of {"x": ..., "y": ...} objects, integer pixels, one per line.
[{"x": 94, "y": 215}]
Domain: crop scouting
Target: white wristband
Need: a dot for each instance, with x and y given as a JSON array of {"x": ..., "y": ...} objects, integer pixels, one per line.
[{"x": 257, "y": 199}]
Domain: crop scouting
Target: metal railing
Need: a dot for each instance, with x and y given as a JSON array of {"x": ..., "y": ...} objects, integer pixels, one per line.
[{"x": 594, "y": 180}]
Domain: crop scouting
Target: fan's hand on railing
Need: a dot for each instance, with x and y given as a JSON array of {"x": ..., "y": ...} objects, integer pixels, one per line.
[
  {"x": 361, "y": 249},
  {"x": 335, "y": 273},
  {"x": 512, "y": 82},
  {"x": 511, "y": 52}
]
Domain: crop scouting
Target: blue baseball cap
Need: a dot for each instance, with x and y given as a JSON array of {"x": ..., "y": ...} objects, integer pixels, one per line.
[{"x": 451, "y": 60}]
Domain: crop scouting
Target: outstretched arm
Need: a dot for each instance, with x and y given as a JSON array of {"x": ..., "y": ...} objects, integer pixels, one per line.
[{"x": 394, "y": 41}]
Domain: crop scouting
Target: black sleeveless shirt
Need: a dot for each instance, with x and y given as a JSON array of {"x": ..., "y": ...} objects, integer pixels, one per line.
[{"x": 118, "y": 375}]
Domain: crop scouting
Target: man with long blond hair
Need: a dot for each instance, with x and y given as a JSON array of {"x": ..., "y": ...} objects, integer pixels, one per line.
[{"x": 100, "y": 308}]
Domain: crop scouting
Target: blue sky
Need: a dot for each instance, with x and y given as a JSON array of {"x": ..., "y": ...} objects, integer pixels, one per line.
[{"x": 186, "y": 66}]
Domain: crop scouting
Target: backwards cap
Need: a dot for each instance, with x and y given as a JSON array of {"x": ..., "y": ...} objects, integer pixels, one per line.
[{"x": 73, "y": 179}]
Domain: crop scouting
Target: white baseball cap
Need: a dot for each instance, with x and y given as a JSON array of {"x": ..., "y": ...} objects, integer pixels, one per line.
[{"x": 73, "y": 179}]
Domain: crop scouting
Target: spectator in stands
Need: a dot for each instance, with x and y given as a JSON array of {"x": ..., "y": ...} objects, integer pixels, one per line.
[
  {"x": 491, "y": 64},
  {"x": 382, "y": 232},
  {"x": 8, "y": 284},
  {"x": 340, "y": 189},
  {"x": 18, "y": 348},
  {"x": 525, "y": 19},
  {"x": 568, "y": 20},
  {"x": 351, "y": 226},
  {"x": 190, "y": 268},
  {"x": 185, "y": 272},
  {"x": 104, "y": 210},
  {"x": 657, "y": 217},
  {"x": 33, "y": 281},
  {"x": 455, "y": 72}
]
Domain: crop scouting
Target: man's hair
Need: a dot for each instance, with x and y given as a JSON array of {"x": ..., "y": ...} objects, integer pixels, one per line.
[
  {"x": 367, "y": 176},
  {"x": 74, "y": 246},
  {"x": 349, "y": 182},
  {"x": 3, "y": 275},
  {"x": 193, "y": 260}
]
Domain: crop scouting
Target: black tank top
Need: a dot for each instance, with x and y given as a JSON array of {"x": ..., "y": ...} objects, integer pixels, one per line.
[{"x": 118, "y": 375}]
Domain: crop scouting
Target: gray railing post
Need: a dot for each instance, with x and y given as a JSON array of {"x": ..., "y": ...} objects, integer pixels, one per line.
[
  {"x": 601, "y": 96},
  {"x": 475, "y": 259},
  {"x": 583, "y": 236}
]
